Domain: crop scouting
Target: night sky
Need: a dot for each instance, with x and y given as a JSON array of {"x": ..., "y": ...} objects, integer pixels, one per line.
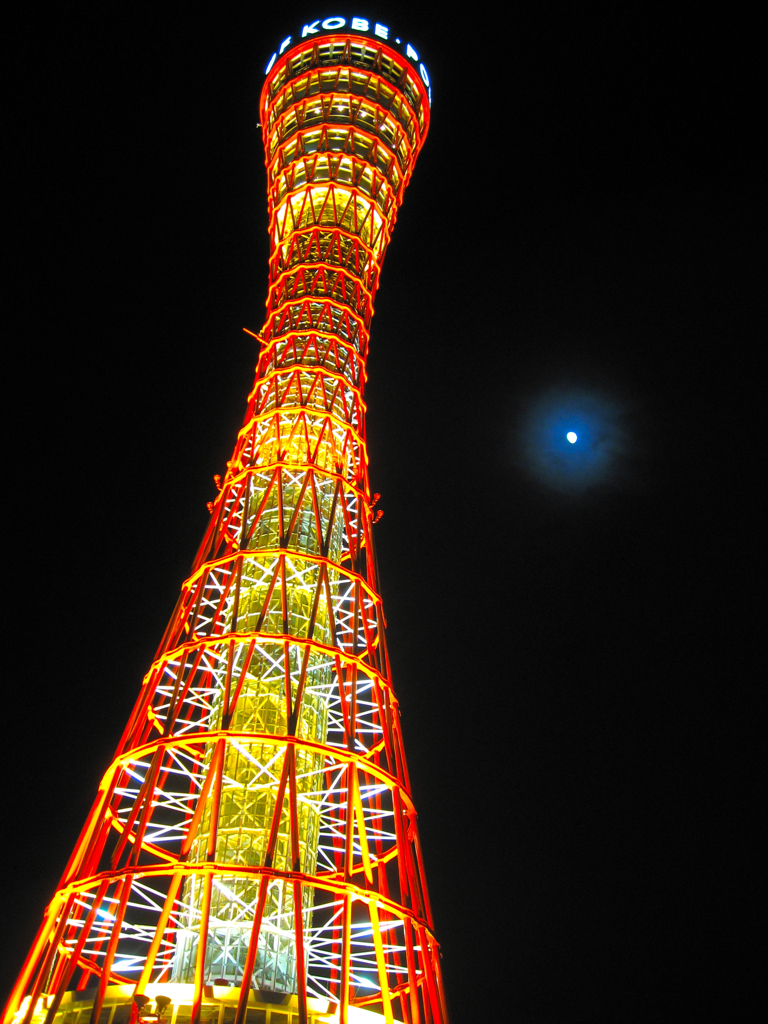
[{"x": 567, "y": 624}]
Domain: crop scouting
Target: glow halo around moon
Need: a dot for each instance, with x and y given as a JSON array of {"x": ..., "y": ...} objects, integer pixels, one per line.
[{"x": 594, "y": 454}]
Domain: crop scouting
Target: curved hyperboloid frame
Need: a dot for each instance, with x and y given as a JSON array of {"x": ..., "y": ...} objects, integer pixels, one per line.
[{"x": 252, "y": 854}]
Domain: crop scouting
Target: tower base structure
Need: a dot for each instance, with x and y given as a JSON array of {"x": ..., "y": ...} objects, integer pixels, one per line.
[{"x": 219, "y": 1006}]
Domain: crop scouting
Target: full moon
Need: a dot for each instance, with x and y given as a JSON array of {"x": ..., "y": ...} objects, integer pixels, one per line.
[{"x": 572, "y": 437}]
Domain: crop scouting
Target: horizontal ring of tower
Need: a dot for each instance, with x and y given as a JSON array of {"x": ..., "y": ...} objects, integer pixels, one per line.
[
  {"x": 331, "y": 206},
  {"x": 280, "y": 591},
  {"x": 322, "y": 882},
  {"x": 145, "y": 796},
  {"x": 259, "y": 477},
  {"x": 313, "y": 153},
  {"x": 271, "y": 685},
  {"x": 221, "y": 659},
  {"x": 308, "y": 436},
  {"x": 397, "y": 926},
  {"x": 315, "y": 377},
  {"x": 277, "y": 502},
  {"x": 336, "y": 52},
  {"x": 196, "y": 742},
  {"x": 331, "y": 245},
  {"x": 146, "y": 802},
  {"x": 317, "y": 388},
  {"x": 331, "y": 248},
  {"x": 231, "y": 872},
  {"x": 301, "y": 437},
  {"x": 349, "y": 88},
  {"x": 321, "y": 281},
  {"x": 274, "y": 686},
  {"x": 241, "y": 473},
  {"x": 343, "y": 171},
  {"x": 314, "y": 348},
  {"x": 318, "y": 317},
  {"x": 340, "y": 169},
  {"x": 352, "y": 278}
]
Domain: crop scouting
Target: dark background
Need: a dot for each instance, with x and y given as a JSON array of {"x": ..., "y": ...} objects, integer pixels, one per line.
[{"x": 568, "y": 648}]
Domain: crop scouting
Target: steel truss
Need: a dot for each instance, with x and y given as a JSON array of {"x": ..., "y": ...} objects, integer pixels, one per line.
[{"x": 255, "y": 828}]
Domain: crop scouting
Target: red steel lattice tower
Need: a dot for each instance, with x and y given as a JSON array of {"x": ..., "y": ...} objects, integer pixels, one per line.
[{"x": 252, "y": 856}]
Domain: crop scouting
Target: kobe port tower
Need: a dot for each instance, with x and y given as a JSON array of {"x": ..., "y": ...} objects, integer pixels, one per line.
[{"x": 252, "y": 854}]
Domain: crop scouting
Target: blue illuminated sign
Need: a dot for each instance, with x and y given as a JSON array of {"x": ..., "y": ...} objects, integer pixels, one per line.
[{"x": 358, "y": 26}]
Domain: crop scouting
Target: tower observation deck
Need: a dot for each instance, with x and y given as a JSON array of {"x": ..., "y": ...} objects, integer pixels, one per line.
[{"x": 252, "y": 855}]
